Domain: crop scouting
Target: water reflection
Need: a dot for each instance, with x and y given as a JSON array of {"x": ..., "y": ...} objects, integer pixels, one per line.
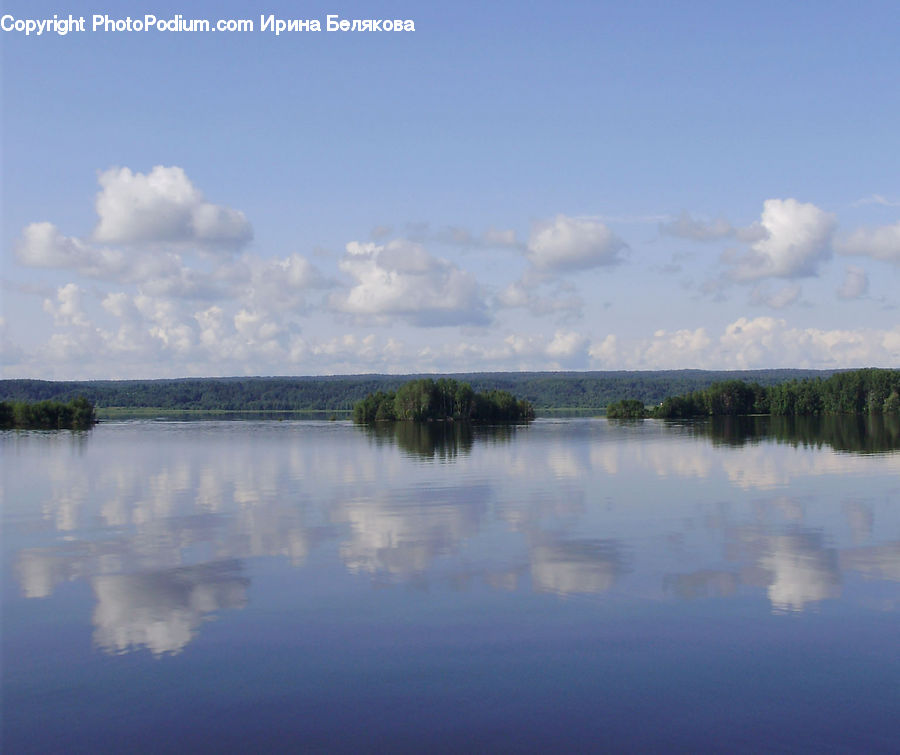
[
  {"x": 163, "y": 610},
  {"x": 401, "y": 535},
  {"x": 167, "y": 522},
  {"x": 707, "y": 583},
  {"x": 861, "y": 434},
  {"x": 875, "y": 562},
  {"x": 443, "y": 441},
  {"x": 801, "y": 570},
  {"x": 568, "y": 567}
]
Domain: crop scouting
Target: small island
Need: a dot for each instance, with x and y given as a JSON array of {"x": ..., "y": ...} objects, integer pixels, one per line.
[
  {"x": 77, "y": 414},
  {"x": 442, "y": 400},
  {"x": 867, "y": 391}
]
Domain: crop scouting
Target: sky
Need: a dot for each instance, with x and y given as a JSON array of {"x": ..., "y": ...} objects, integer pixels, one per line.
[{"x": 517, "y": 186}]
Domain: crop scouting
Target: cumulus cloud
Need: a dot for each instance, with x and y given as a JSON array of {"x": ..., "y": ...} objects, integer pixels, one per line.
[
  {"x": 795, "y": 239},
  {"x": 751, "y": 343},
  {"x": 163, "y": 206},
  {"x": 158, "y": 272},
  {"x": 43, "y": 245},
  {"x": 78, "y": 341},
  {"x": 273, "y": 284},
  {"x": 566, "y": 243},
  {"x": 157, "y": 220},
  {"x": 67, "y": 308},
  {"x": 402, "y": 280},
  {"x": 856, "y": 283},
  {"x": 565, "y": 348},
  {"x": 766, "y": 341},
  {"x": 605, "y": 352},
  {"x": 566, "y": 344},
  {"x": 670, "y": 347},
  {"x": 882, "y": 243}
]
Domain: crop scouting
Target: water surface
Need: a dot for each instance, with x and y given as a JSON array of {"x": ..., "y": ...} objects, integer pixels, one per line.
[{"x": 574, "y": 584}]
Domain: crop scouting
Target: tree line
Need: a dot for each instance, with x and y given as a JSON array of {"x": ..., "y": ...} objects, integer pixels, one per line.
[
  {"x": 543, "y": 390},
  {"x": 425, "y": 400},
  {"x": 864, "y": 391},
  {"x": 77, "y": 414}
]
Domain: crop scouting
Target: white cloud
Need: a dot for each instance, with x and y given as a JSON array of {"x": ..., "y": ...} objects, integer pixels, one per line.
[
  {"x": 156, "y": 218},
  {"x": 565, "y": 348},
  {"x": 566, "y": 344},
  {"x": 42, "y": 245},
  {"x": 163, "y": 206},
  {"x": 67, "y": 309},
  {"x": 877, "y": 199},
  {"x": 757, "y": 343},
  {"x": 402, "y": 280},
  {"x": 78, "y": 341},
  {"x": 669, "y": 348},
  {"x": 157, "y": 272},
  {"x": 566, "y": 243},
  {"x": 856, "y": 283},
  {"x": 605, "y": 352},
  {"x": 766, "y": 341},
  {"x": 273, "y": 284},
  {"x": 796, "y": 241},
  {"x": 882, "y": 243},
  {"x": 255, "y": 327}
]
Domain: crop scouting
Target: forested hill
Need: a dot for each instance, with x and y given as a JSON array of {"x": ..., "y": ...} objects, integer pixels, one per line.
[{"x": 545, "y": 390}]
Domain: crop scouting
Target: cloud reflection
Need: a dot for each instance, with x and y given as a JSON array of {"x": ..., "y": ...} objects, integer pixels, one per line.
[
  {"x": 402, "y": 535},
  {"x": 875, "y": 562},
  {"x": 570, "y": 567},
  {"x": 163, "y": 610},
  {"x": 163, "y": 538},
  {"x": 803, "y": 571}
]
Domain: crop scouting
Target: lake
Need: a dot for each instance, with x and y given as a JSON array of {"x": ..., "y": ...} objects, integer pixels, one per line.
[{"x": 571, "y": 585}]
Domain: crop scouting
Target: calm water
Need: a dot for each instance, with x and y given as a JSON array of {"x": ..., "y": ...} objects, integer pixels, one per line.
[{"x": 571, "y": 585}]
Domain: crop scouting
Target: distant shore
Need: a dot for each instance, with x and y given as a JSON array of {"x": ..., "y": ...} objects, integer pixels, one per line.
[{"x": 557, "y": 391}]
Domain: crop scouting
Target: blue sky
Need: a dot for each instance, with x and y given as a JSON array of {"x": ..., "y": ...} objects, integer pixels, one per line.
[{"x": 521, "y": 186}]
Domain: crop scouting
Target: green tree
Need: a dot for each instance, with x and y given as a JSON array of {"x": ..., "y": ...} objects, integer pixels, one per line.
[{"x": 628, "y": 408}]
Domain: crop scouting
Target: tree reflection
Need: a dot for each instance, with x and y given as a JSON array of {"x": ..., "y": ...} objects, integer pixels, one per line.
[
  {"x": 853, "y": 433},
  {"x": 443, "y": 441}
]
